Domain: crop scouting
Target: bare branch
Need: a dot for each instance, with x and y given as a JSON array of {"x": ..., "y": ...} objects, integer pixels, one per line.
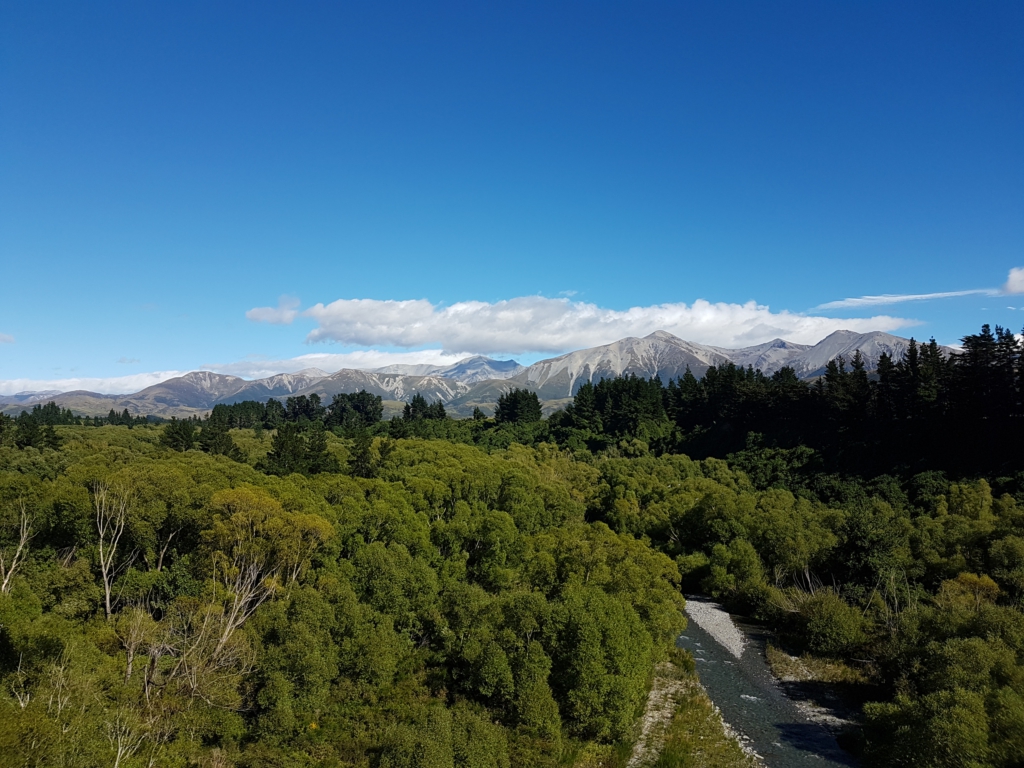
[
  {"x": 124, "y": 736},
  {"x": 251, "y": 586},
  {"x": 134, "y": 628},
  {"x": 164, "y": 548},
  {"x": 21, "y": 693},
  {"x": 112, "y": 509},
  {"x": 9, "y": 563}
]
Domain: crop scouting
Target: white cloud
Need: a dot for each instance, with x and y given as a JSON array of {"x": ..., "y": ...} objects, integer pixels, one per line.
[
  {"x": 898, "y": 298},
  {"x": 284, "y": 313},
  {"x": 6, "y": 338},
  {"x": 516, "y": 326},
  {"x": 114, "y": 385},
  {"x": 1014, "y": 284},
  {"x": 1015, "y": 281},
  {"x": 539, "y": 324},
  {"x": 365, "y": 359}
]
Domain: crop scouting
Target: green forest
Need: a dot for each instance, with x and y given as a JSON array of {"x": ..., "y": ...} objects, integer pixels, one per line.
[{"x": 307, "y": 584}]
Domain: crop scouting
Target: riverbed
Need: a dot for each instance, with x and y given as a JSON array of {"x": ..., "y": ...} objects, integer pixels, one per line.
[{"x": 731, "y": 664}]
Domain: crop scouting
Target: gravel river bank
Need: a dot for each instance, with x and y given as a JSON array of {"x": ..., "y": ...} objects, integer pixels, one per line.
[{"x": 732, "y": 668}]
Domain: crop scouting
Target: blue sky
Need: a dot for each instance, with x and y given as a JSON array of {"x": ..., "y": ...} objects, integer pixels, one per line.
[{"x": 526, "y": 178}]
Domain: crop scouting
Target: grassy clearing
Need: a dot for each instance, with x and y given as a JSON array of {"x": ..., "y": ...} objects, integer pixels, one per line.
[
  {"x": 592, "y": 755},
  {"x": 807, "y": 668},
  {"x": 695, "y": 737},
  {"x": 692, "y": 736},
  {"x": 680, "y": 727}
]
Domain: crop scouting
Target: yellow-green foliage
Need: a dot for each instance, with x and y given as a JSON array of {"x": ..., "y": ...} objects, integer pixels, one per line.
[
  {"x": 455, "y": 610},
  {"x": 513, "y": 597}
]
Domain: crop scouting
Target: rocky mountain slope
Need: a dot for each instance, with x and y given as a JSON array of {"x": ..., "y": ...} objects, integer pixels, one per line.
[
  {"x": 390, "y": 386},
  {"x": 280, "y": 386},
  {"x": 811, "y": 362},
  {"x": 468, "y": 371},
  {"x": 768, "y": 357},
  {"x": 480, "y": 381},
  {"x": 660, "y": 354}
]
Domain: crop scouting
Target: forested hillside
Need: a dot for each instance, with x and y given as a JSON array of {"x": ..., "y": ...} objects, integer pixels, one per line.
[
  {"x": 963, "y": 414},
  {"x": 169, "y": 608},
  {"x": 305, "y": 584}
]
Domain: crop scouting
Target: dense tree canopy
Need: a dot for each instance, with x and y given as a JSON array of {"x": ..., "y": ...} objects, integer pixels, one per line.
[
  {"x": 418, "y": 409},
  {"x": 494, "y": 592},
  {"x": 518, "y": 406},
  {"x": 457, "y": 605}
]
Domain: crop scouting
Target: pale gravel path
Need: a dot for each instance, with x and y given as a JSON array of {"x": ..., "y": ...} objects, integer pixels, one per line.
[
  {"x": 661, "y": 705},
  {"x": 715, "y": 620}
]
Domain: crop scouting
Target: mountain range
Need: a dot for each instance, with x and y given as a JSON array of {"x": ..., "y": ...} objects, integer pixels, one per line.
[
  {"x": 468, "y": 371},
  {"x": 479, "y": 381}
]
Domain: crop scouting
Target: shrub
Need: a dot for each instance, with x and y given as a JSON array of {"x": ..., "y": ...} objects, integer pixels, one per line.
[{"x": 829, "y": 625}]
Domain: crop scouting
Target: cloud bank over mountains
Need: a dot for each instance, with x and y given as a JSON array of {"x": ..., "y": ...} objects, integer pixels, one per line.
[
  {"x": 478, "y": 381},
  {"x": 361, "y": 359},
  {"x": 253, "y": 368},
  {"x": 417, "y": 331},
  {"x": 114, "y": 385},
  {"x": 550, "y": 325}
]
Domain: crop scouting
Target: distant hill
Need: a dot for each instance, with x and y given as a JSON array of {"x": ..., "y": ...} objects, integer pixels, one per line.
[
  {"x": 479, "y": 381},
  {"x": 199, "y": 389},
  {"x": 468, "y": 371},
  {"x": 280, "y": 386},
  {"x": 811, "y": 362},
  {"x": 659, "y": 354},
  {"x": 662, "y": 354},
  {"x": 767, "y": 357},
  {"x": 390, "y": 386}
]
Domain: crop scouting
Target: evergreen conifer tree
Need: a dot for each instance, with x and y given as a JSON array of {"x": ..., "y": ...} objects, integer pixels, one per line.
[
  {"x": 274, "y": 413},
  {"x": 416, "y": 408},
  {"x": 318, "y": 458},
  {"x": 287, "y": 452},
  {"x": 519, "y": 406},
  {"x": 28, "y": 434},
  {"x": 360, "y": 463},
  {"x": 179, "y": 434},
  {"x": 48, "y": 438},
  {"x": 215, "y": 438}
]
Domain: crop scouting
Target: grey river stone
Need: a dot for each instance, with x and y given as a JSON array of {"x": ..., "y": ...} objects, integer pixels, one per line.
[{"x": 768, "y": 722}]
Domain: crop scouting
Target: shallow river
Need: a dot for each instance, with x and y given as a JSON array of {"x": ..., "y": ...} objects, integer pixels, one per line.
[{"x": 751, "y": 701}]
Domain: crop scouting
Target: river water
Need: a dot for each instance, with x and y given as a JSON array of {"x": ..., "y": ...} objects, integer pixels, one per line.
[{"x": 750, "y": 699}]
